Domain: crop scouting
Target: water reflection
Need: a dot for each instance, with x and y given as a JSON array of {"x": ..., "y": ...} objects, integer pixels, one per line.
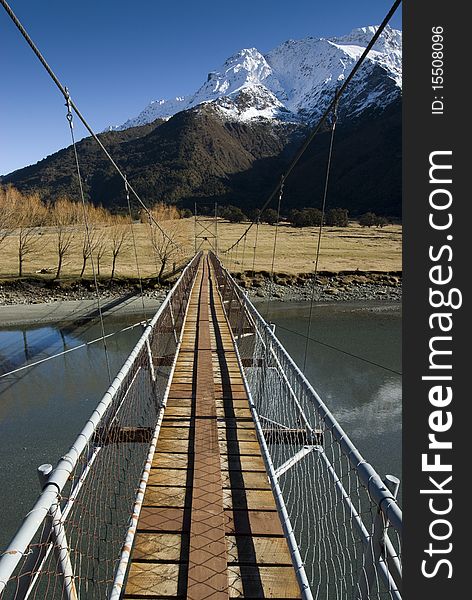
[
  {"x": 43, "y": 408},
  {"x": 366, "y": 399}
]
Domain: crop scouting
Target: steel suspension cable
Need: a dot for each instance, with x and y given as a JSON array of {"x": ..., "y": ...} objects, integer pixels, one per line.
[
  {"x": 63, "y": 352},
  {"x": 351, "y": 354},
  {"x": 72, "y": 104},
  {"x": 329, "y": 109},
  {"x": 320, "y": 230}
]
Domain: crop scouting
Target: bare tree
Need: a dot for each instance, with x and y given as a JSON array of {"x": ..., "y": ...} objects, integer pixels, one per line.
[
  {"x": 164, "y": 245},
  {"x": 29, "y": 214},
  {"x": 160, "y": 212},
  {"x": 119, "y": 232},
  {"x": 64, "y": 219},
  {"x": 6, "y": 213},
  {"x": 101, "y": 249},
  {"x": 92, "y": 243}
]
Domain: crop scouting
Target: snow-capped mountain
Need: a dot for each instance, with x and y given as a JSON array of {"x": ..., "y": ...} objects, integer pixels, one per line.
[{"x": 295, "y": 81}]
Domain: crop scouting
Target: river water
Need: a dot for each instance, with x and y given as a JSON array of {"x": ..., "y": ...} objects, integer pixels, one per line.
[{"x": 42, "y": 409}]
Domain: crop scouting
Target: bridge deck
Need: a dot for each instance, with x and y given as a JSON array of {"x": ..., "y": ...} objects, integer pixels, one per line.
[{"x": 209, "y": 526}]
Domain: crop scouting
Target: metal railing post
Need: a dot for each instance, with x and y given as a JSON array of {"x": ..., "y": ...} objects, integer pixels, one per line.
[
  {"x": 151, "y": 364},
  {"x": 59, "y": 540},
  {"x": 176, "y": 337},
  {"x": 376, "y": 548},
  {"x": 390, "y": 555}
]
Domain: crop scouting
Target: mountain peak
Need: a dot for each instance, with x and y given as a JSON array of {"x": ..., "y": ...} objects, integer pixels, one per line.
[{"x": 294, "y": 81}]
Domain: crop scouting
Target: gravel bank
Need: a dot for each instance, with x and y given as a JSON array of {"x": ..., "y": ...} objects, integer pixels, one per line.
[
  {"x": 33, "y": 301},
  {"x": 328, "y": 287}
]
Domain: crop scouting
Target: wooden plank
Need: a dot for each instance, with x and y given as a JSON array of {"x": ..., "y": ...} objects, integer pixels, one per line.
[
  {"x": 152, "y": 580},
  {"x": 159, "y": 546},
  {"x": 252, "y": 522},
  {"x": 258, "y": 550},
  {"x": 178, "y": 411},
  {"x": 249, "y": 499},
  {"x": 169, "y": 477},
  {"x": 240, "y": 413},
  {"x": 172, "y": 445},
  {"x": 169, "y": 460},
  {"x": 165, "y": 496},
  {"x": 245, "y": 479},
  {"x": 242, "y": 447},
  {"x": 181, "y": 388},
  {"x": 173, "y": 433},
  {"x": 242, "y": 463},
  {"x": 231, "y": 402},
  {"x": 161, "y": 519},
  {"x": 230, "y": 395},
  {"x": 262, "y": 582},
  {"x": 170, "y": 421},
  {"x": 239, "y": 435}
]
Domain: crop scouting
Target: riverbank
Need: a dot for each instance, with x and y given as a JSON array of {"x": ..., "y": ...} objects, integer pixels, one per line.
[
  {"x": 345, "y": 286},
  {"x": 33, "y": 302}
]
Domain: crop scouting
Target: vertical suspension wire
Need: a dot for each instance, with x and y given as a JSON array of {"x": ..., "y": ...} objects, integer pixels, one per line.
[
  {"x": 70, "y": 119},
  {"x": 255, "y": 249},
  {"x": 274, "y": 248},
  {"x": 244, "y": 252},
  {"x": 231, "y": 260},
  {"x": 195, "y": 228},
  {"x": 236, "y": 256},
  {"x": 153, "y": 248},
  {"x": 216, "y": 228},
  {"x": 135, "y": 249},
  {"x": 320, "y": 229}
]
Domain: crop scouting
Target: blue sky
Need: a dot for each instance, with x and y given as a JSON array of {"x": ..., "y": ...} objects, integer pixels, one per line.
[{"x": 117, "y": 56}]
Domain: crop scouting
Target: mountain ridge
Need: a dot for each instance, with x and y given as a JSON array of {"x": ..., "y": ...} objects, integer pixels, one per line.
[{"x": 293, "y": 82}]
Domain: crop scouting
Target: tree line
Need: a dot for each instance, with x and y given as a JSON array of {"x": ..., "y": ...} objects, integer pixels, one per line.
[
  {"x": 305, "y": 217},
  {"x": 88, "y": 231}
]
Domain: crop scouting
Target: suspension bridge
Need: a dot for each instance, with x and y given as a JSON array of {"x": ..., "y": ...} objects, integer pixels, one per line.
[{"x": 210, "y": 468}]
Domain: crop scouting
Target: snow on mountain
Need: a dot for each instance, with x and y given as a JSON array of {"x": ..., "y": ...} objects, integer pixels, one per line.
[{"x": 296, "y": 80}]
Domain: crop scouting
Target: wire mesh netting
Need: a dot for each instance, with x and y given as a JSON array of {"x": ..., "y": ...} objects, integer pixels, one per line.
[
  {"x": 344, "y": 518},
  {"x": 70, "y": 544}
]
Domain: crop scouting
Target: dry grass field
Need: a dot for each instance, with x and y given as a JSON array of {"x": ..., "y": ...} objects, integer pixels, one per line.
[
  {"x": 349, "y": 248},
  {"x": 342, "y": 248}
]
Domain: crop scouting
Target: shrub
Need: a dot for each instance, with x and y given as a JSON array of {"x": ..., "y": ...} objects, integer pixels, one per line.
[
  {"x": 232, "y": 213},
  {"x": 269, "y": 216},
  {"x": 367, "y": 219},
  {"x": 381, "y": 221},
  {"x": 307, "y": 217},
  {"x": 337, "y": 217}
]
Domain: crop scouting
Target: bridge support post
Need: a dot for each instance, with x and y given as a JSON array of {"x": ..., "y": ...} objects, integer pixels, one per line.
[
  {"x": 379, "y": 549},
  {"x": 151, "y": 364},
  {"x": 59, "y": 540}
]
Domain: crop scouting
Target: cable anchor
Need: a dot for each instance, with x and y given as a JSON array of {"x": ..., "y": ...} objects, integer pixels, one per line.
[{"x": 69, "y": 115}]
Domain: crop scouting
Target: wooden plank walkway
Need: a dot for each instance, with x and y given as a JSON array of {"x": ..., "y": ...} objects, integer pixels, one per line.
[{"x": 209, "y": 527}]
